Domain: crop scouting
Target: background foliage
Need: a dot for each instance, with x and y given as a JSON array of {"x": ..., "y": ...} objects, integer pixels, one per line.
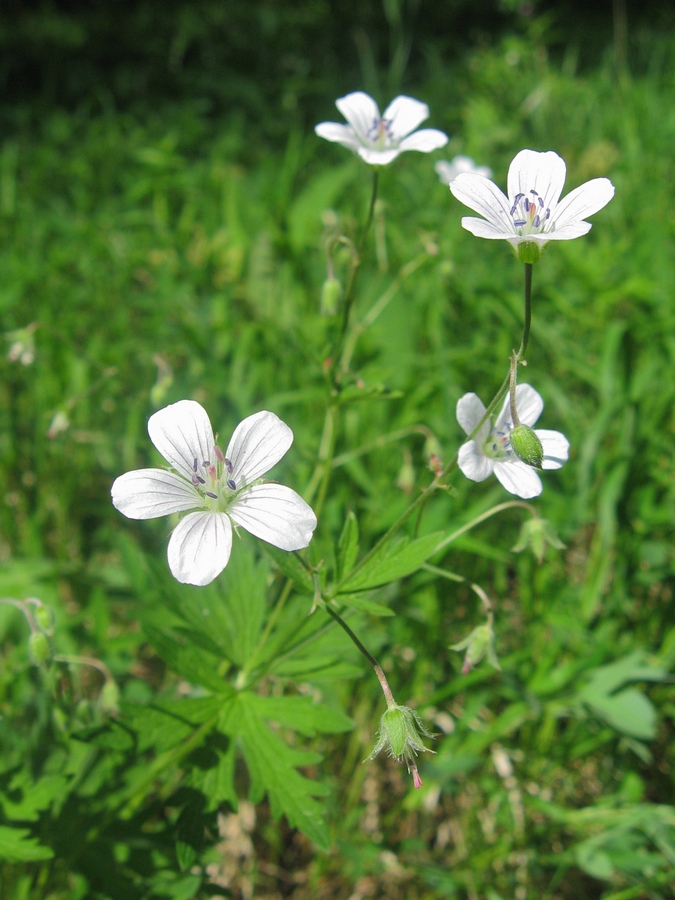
[{"x": 164, "y": 206}]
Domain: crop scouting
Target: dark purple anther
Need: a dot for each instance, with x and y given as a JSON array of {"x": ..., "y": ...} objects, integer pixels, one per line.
[
  {"x": 211, "y": 495},
  {"x": 232, "y": 485},
  {"x": 537, "y": 221},
  {"x": 228, "y": 465},
  {"x": 194, "y": 465}
]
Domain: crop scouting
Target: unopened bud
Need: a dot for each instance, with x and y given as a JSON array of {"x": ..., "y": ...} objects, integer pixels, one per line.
[
  {"x": 537, "y": 534},
  {"x": 109, "y": 698},
  {"x": 480, "y": 643},
  {"x": 527, "y": 446},
  {"x": 44, "y": 618},
  {"x": 40, "y": 649},
  {"x": 331, "y": 294},
  {"x": 401, "y": 731}
]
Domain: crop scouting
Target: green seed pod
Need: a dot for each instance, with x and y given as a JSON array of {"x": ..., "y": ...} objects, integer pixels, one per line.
[
  {"x": 527, "y": 446},
  {"x": 331, "y": 295}
]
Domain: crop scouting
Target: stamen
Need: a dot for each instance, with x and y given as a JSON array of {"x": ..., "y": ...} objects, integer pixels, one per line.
[
  {"x": 211, "y": 495},
  {"x": 228, "y": 465},
  {"x": 232, "y": 485},
  {"x": 194, "y": 465}
]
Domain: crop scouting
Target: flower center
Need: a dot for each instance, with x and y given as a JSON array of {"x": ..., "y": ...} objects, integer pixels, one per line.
[
  {"x": 497, "y": 445},
  {"x": 529, "y": 214},
  {"x": 214, "y": 479},
  {"x": 380, "y": 133}
]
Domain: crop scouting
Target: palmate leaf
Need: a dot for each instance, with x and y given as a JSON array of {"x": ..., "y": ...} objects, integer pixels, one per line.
[
  {"x": 273, "y": 765},
  {"x": 17, "y": 845}
]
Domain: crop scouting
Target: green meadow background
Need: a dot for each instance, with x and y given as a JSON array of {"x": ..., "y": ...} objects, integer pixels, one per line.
[{"x": 164, "y": 207}]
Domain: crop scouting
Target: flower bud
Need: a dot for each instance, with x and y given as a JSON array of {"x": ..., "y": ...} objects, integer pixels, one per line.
[
  {"x": 44, "y": 618},
  {"x": 527, "y": 446},
  {"x": 40, "y": 649},
  {"x": 401, "y": 731},
  {"x": 537, "y": 534},
  {"x": 331, "y": 294},
  {"x": 480, "y": 643},
  {"x": 109, "y": 698}
]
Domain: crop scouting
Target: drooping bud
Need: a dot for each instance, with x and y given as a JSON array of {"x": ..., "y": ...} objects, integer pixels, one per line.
[
  {"x": 480, "y": 643},
  {"x": 44, "y": 618},
  {"x": 537, "y": 534},
  {"x": 527, "y": 446},
  {"x": 331, "y": 294},
  {"x": 40, "y": 649},
  {"x": 400, "y": 732},
  {"x": 109, "y": 698}
]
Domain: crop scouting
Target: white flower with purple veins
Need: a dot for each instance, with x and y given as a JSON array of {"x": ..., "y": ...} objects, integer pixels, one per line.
[
  {"x": 217, "y": 490},
  {"x": 532, "y": 212},
  {"x": 448, "y": 171},
  {"x": 378, "y": 139},
  {"x": 490, "y": 449}
]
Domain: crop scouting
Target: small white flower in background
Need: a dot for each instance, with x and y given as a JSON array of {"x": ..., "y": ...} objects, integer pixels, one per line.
[
  {"x": 532, "y": 213},
  {"x": 459, "y": 165},
  {"x": 490, "y": 450},
  {"x": 215, "y": 489},
  {"x": 378, "y": 139}
]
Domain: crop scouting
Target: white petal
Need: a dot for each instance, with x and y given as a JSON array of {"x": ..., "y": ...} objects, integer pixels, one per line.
[
  {"x": 360, "y": 110},
  {"x": 200, "y": 547},
  {"x": 481, "y": 228},
  {"x": 405, "y": 114},
  {"x": 528, "y": 403},
  {"x": 182, "y": 433},
  {"x": 470, "y": 410},
  {"x": 518, "y": 478},
  {"x": 568, "y": 232},
  {"x": 425, "y": 141},
  {"x": 541, "y": 172},
  {"x": 275, "y": 514},
  {"x": 340, "y": 134},
  {"x": 556, "y": 448},
  {"x": 582, "y": 202},
  {"x": 378, "y": 157},
  {"x": 473, "y": 463},
  {"x": 149, "y": 493},
  {"x": 483, "y": 196},
  {"x": 258, "y": 443}
]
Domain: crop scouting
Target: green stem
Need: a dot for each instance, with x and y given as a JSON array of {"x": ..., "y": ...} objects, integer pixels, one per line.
[
  {"x": 528, "y": 311},
  {"x": 356, "y": 260},
  {"x": 384, "y": 684}
]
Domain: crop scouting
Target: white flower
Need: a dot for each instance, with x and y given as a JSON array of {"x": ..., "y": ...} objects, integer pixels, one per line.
[
  {"x": 448, "y": 171},
  {"x": 490, "y": 450},
  {"x": 532, "y": 212},
  {"x": 379, "y": 139},
  {"x": 215, "y": 489}
]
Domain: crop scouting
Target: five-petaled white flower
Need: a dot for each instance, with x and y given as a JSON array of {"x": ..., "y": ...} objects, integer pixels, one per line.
[
  {"x": 532, "y": 213},
  {"x": 215, "y": 489},
  {"x": 378, "y": 139},
  {"x": 490, "y": 450},
  {"x": 458, "y": 165}
]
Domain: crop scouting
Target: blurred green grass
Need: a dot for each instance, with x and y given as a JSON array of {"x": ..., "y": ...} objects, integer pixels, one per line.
[{"x": 159, "y": 257}]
